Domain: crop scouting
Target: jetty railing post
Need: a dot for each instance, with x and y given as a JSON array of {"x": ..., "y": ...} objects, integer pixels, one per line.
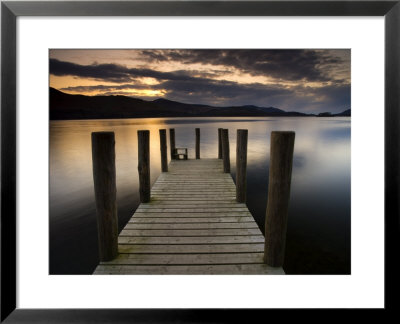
[
  {"x": 163, "y": 148},
  {"x": 225, "y": 151},
  {"x": 144, "y": 165},
  {"x": 241, "y": 164},
  {"x": 197, "y": 143},
  {"x": 105, "y": 190},
  {"x": 172, "y": 142},
  {"x": 219, "y": 143},
  {"x": 280, "y": 173}
]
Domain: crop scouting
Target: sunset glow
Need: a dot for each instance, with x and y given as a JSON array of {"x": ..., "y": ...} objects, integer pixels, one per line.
[{"x": 293, "y": 80}]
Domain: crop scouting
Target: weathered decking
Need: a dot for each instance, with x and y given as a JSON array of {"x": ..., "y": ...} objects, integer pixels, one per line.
[{"x": 193, "y": 225}]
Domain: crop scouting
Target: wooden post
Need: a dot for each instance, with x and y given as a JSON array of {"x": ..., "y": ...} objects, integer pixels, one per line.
[
  {"x": 241, "y": 164},
  {"x": 163, "y": 148},
  {"x": 219, "y": 143},
  {"x": 144, "y": 165},
  {"x": 105, "y": 190},
  {"x": 225, "y": 150},
  {"x": 172, "y": 142},
  {"x": 280, "y": 173},
  {"x": 197, "y": 143}
]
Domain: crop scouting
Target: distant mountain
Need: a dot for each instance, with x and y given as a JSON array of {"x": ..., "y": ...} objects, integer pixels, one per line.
[
  {"x": 66, "y": 106},
  {"x": 262, "y": 109},
  {"x": 346, "y": 113},
  {"x": 175, "y": 105}
]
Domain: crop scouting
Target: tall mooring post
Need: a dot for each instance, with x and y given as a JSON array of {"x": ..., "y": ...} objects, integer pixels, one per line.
[
  {"x": 172, "y": 142},
  {"x": 197, "y": 143},
  {"x": 225, "y": 151},
  {"x": 163, "y": 149},
  {"x": 219, "y": 143},
  {"x": 144, "y": 165},
  {"x": 105, "y": 190},
  {"x": 241, "y": 164},
  {"x": 280, "y": 173}
]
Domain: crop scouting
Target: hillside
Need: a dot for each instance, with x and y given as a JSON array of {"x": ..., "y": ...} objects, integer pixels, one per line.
[{"x": 66, "y": 106}]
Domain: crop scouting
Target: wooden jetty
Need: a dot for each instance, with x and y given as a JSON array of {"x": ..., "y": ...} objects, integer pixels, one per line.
[{"x": 195, "y": 222}]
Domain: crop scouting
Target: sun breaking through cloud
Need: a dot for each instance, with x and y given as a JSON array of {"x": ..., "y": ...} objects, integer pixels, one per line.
[{"x": 293, "y": 80}]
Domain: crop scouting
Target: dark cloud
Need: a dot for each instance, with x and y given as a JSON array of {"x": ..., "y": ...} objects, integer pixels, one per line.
[
  {"x": 294, "y": 70},
  {"x": 293, "y": 65},
  {"x": 112, "y": 72},
  {"x": 107, "y": 88},
  {"x": 231, "y": 93},
  {"x": 333, "y": 98}
]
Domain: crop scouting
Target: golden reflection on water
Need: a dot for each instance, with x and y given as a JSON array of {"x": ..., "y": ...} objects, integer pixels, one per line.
[
  {"x": 322, "y": 148},
  {"x": 319, "y": 209},
  {"x": 71, "y": 159}
]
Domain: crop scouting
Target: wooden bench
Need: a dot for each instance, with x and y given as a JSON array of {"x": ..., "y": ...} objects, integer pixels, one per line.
[{"x": 180, "y": 152}]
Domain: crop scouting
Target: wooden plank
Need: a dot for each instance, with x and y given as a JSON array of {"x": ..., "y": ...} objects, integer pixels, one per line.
[
  {"x": 178, "y": 220},
  {"x": 168, "y": 177},
  {"x": 178, "y": 226},
  {"x": 192, "y": 184},
  {"x": 196, "y": 215},
  {"x": 191, "y": 204},
  {"x": 195, "y": 182},
  {"x": 206, "y": 191},
  {"x": 171, "y": 259},
  {"x": 171, "y": 187},
  {"x": 183, "y": 168},
  {"x": 160, "y": 196},
  {"x": 187, "y": 204},
  {"x": 191, "y": 232},
  {"x": 183, "y": 197},
  {"x": 185, "y": 193},
  {"x": 195, "y": 194},
  {"x": 192, "y": 225},
  {"x": 192, "y": 248},
  {"x": 236, "y": 269},
  {"x": 189, "y": 173},
  {"x": 191, "y": 210},
  {"x": 207, "y": 170},
  {"x": 179, "y": 167},
  {"x": 171, "y": 201},
  {"x": 187, "y": 177},
  {"x": 191, "y": 240},
  {"x": 203, "y": 181},
  {"x": 200, "y": 199},
  {"x": 202, "y": 189}
]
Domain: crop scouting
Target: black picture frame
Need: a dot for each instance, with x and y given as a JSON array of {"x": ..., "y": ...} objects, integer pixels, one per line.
[{"x": 10, "y": 10}]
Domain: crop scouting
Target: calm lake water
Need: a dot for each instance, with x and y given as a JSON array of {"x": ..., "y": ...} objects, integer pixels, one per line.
[{"x": 318, "y": 237}]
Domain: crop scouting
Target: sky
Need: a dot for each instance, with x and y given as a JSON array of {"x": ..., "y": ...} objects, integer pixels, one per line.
[{"x": 304, "y": 80}]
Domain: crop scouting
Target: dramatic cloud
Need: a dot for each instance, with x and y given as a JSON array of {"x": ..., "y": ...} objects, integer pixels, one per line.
[
  {"x": 111, "y": 72},
  {"x": 301, "y": 80},
  {"x": 280, "y": 64}
]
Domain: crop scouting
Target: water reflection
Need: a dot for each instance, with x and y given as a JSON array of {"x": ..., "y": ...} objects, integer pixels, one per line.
[{"x": 318, "y": 238}]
